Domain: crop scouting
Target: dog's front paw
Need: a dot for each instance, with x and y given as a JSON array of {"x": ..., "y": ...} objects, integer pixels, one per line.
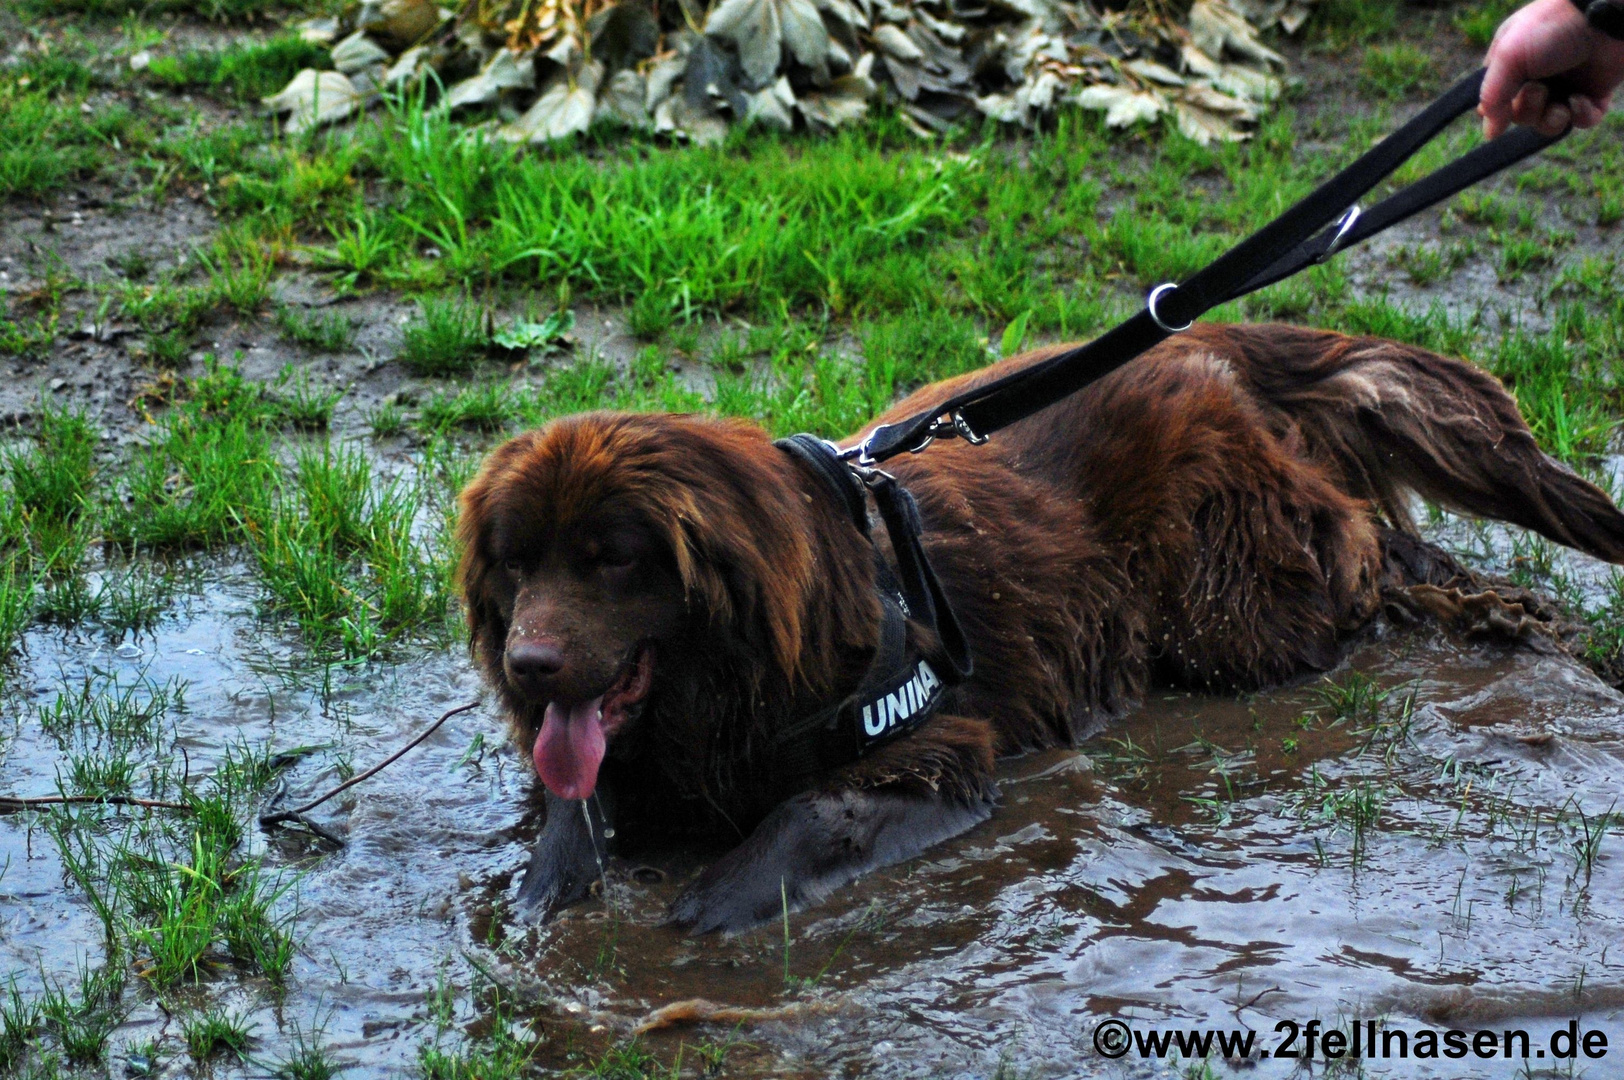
[
  {"x": 811, "y": 845},
  {"x": 565, "y": 862},
  {"x": 782, "y": 862},
  {"x": 728, "y": 899}
]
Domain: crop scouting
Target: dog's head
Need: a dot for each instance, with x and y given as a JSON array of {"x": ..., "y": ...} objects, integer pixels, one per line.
[{"x": 601, "y": 547}]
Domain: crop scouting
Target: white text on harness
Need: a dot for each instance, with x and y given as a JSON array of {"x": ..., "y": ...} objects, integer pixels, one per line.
[{"x": 890, "y": 710}]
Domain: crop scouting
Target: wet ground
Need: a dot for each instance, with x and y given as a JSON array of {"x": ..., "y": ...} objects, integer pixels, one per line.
[{"x": 1208, "y": 862}]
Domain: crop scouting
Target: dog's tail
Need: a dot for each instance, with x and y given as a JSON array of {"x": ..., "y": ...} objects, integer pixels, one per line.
[{"x": 1391, "y": 418}]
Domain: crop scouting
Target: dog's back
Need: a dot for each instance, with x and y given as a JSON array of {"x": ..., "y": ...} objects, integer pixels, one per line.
[{"x": 1212, "y": 512}]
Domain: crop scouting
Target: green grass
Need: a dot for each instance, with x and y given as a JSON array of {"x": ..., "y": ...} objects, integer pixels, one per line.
[
  {"x": 81, "y": 1019},
  {"x": 1356, "y": 699},
  {"x": 449, "y": 338},
  {"x": 177, "y": 897},
  {"x": 195, "y": 484},
  {"x": 489, "y": 406},
  {"x": 1397, "y": 71},
  {"x": 308, "y": 1059},
  {"x": 1479, "y": 21},
  {"x": 52, "y": 479},
  {"x": 47, "y": 141},
  {"x": 336, "y": 552},
  {"x": 361, "y": 248},
  {"x": 503, "y": 1053},
  {"x": 1338, "y": 24},
  {"x": 330, "y": 331},
  {"x": 20, "y": 1022},
  {"x": 242, "y": 73},
  {"x": 216, "y": 1033},
  {"x": 387, "y": 420},
  {"x": 302, "y": 404},
  {"x": 212, "y": 10}
]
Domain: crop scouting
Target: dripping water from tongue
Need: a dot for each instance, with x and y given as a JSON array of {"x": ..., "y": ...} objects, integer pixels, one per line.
[{"x": 608, "y": 833}]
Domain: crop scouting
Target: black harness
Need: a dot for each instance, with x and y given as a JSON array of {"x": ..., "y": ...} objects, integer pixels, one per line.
[{"x": 902, "y": 688}]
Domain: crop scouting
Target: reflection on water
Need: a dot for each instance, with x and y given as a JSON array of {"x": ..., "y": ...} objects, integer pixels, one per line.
[{"x": 1427, "y": 857}]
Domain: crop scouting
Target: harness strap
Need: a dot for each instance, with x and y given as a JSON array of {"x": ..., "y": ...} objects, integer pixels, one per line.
[
  {"x": 902, "y": 688},
  {"x": 836, "y": 475},
  {"x": 922, "y": 591},
  {"x": 1301, "y": 232},
  {"x": 915, "y": 588},
  {"x": 815, "y": 743}
]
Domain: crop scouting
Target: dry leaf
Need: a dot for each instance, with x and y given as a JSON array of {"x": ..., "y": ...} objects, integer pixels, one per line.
[
  {"x": 1205, "y": 126},
  {"x": 623, "y": 99},
  {"x": 844, "y": 102},
  {"x": 319, "y": 31},
  {"x": 693, "y": 67},
  {"x": 893, "y": 42},
  {"x": 357, "y": 53},
  {"x": 774, "y": 106},
  {"x": 760, "y": 29},
  {"x": 1215, "y": 26},
  {"x": 314, "y": 98},
  {"x": 676, "y": 115},
  {"x": 503, "y": 72},
  {"x": 408, "y": 67},
  {"x": 1123, "y": 107},
  {"x": 564, "y": 109},
  {"x": 1151, "y": 71},
  {"x": 398, "y": 24}
]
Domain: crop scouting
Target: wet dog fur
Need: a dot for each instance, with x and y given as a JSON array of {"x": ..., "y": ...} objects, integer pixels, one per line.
[{"x": 653, "y": 596}]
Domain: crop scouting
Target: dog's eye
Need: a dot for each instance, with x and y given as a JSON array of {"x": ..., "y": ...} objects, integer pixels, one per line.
[
  {"x": 616, "y": 560},
  {"x": 513, "y": 566}
]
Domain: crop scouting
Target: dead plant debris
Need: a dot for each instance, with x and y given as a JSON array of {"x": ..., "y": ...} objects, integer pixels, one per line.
[{"x": 542, "y": 70}]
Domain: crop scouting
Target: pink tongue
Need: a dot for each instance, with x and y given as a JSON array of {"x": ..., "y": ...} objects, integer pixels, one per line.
[{"x": 570, "y": 749}]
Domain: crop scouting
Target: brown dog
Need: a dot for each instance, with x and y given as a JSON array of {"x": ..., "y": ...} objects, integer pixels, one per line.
[{"x": 656, "y": 598}]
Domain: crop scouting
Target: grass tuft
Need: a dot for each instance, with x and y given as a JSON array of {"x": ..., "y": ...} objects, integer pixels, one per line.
[
  {"x": 449, "y": 339},
  {"x": 329, "y": 331},
  {"x": 215, "y": 1033}
]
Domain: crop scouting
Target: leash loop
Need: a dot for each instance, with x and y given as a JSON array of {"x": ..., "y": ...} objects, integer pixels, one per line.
[{"x": 1150, "y": 305}]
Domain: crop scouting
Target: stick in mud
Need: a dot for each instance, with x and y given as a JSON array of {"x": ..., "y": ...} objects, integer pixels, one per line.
[
  {"x": 12, "y": 804},
  {"x": 270, "y": 817}
]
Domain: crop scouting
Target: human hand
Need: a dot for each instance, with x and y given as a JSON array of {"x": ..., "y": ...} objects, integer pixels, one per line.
[{"x": 1546, "y": 38}]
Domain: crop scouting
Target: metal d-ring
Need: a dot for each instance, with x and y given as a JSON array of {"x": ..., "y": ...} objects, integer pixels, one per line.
[
  {"x": 1155, "y": 316},
  {"x": 1344, "y": 226}
]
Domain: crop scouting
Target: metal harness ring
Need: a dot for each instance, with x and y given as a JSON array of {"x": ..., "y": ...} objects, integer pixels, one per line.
[{"x": 1155, "y": 317}]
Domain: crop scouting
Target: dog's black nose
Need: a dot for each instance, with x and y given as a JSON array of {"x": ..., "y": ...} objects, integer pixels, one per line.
[{"x": 535, "y": 659}]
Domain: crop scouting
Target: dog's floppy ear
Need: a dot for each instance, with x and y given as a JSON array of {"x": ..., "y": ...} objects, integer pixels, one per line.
[
  {"x": 487, "y": 629},
  {"x": 743, "y": 546}
]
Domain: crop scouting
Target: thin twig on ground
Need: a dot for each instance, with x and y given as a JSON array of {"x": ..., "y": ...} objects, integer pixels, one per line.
[{"x": 270, "y": 817}]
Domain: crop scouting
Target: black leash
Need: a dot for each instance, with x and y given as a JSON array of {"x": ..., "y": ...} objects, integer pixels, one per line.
[
  {"x": 902, "y": 689},
  {"x": 1323, "y": 223}
]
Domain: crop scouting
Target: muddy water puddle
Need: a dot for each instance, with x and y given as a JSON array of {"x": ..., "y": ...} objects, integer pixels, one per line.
[{"x": 1422, "y": 840}]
